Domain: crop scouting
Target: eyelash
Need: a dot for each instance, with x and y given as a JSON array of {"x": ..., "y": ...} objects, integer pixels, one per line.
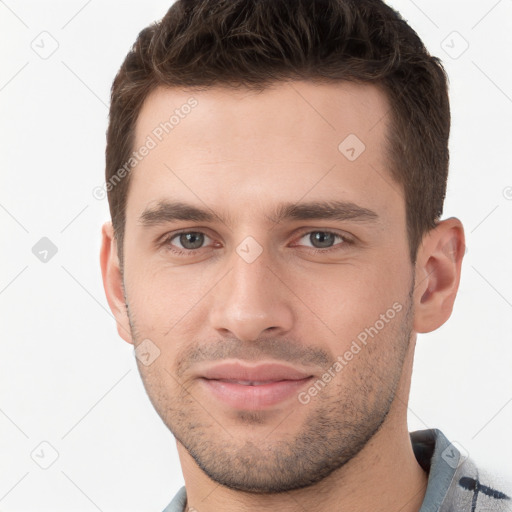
[{"x": 166, "y": 242}]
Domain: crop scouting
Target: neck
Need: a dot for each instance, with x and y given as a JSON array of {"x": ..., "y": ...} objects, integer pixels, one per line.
[{"x": 383, "y": 476}]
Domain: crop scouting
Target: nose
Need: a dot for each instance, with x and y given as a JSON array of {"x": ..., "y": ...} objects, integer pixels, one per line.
[{"x": 252, "y": 301}]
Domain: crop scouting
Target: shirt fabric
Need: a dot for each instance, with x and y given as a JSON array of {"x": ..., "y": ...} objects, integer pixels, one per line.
[{"x": 455, "y": 484}]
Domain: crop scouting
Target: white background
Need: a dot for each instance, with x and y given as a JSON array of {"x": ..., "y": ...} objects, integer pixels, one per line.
[{"x": 66, "y": 376}]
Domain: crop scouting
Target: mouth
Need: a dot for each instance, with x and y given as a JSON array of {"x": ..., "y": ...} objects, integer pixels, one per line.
[{"x": 253, "y": 387}]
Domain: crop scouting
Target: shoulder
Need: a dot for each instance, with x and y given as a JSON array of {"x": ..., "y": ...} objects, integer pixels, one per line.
[
  {"x": 179, "y": 502},
  {"x": 476, "y": 489}
]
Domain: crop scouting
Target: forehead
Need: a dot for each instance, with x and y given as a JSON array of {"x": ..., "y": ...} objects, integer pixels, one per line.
[
  {"x": 293, "y": 109},
  {"x": 293, "y": 139}
]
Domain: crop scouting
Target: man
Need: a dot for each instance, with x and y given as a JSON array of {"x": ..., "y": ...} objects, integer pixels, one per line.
[{"x": 276, "y": 173}]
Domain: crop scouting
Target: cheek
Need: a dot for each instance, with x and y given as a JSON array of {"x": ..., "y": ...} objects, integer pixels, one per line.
[
  {"x": 162, "y": 299},
  {"x": 352, "y": 301}
]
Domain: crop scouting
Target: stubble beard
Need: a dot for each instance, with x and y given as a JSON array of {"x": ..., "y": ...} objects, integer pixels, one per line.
[{"x": 337, "y": 428}]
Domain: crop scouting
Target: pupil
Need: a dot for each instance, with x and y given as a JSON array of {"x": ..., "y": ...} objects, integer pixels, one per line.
[
  {"x": 321, "y": 239},
  {"x": 191, "y": 240}
]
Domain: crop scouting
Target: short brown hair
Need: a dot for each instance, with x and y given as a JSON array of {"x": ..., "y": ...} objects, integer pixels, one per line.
[{"x": 254, "y": 43}]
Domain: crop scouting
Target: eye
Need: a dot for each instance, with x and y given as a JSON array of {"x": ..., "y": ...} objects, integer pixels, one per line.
[
  {"x": 323, "y": 240},
  {"x": 189, "y": 241}
]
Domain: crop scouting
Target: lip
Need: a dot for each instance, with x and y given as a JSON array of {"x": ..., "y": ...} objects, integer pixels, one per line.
[
  {"x": 254, "y": 387},
  {"x": 262, "y": 371}
]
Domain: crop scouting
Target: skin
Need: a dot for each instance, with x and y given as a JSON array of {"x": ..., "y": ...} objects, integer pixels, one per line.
[{"x": 239, "y": 155}]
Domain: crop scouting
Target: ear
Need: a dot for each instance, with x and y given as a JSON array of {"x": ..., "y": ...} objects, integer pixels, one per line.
[
  {"x": 438, "y": 267},
  {"x": 113, "y": 281}
]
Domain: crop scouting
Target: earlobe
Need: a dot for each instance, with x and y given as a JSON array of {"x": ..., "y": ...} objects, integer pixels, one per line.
[
  {"x": 438, "y": 269},
  {"x": 113, "y": 281}
]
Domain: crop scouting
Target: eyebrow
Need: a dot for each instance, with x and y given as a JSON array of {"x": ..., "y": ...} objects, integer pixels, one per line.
[{"x": 171, "y": 211}]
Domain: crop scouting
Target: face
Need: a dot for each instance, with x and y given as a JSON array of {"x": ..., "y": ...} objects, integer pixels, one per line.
[{"x": 266, "y": 268}]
